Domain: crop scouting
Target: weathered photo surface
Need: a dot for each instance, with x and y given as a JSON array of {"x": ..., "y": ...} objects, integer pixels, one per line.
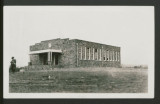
[{"x": 78, "y": 52}]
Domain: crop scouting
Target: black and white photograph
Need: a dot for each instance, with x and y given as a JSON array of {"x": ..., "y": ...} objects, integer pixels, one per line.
[{"x": 78, "y": 52}]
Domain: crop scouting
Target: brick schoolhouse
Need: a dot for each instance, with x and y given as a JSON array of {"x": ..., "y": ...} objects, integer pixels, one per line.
[{"x": 69, "y": 53}]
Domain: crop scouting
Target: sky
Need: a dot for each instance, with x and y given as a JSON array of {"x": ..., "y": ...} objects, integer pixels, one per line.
[{"x": 129, "y": 27}]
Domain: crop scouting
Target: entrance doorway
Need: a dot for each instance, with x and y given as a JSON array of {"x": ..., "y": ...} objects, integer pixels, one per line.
[{"x": 55, "y": 59}]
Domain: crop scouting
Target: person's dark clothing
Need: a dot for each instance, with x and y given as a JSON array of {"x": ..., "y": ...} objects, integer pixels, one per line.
[{"x": 13, "y": 65}]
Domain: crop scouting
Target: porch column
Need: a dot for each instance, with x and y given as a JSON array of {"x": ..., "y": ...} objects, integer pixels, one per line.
[
  {"x": 49, "y": 58},
  {"x": 77, "y": 55}
]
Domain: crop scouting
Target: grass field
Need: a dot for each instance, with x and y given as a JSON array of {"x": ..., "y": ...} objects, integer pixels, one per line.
[{"x": 80, "y": 80}]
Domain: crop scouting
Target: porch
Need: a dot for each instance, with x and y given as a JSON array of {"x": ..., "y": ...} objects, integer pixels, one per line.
[{"x": 48, "y": 57}]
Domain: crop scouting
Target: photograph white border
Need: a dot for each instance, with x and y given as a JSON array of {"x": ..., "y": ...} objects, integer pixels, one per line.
[{"x": 151, "y": 81}]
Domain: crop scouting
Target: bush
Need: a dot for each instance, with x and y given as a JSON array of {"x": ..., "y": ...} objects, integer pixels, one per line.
[{"x": 16, "y": 70}]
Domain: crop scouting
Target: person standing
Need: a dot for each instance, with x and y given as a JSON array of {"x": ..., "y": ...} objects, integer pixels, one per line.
[{"x": 13, "y": 65}]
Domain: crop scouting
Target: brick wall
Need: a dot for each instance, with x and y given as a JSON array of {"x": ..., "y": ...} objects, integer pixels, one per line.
[
  {"x": 66, "y": 59},
  {"x": 34, "y": 59},
  {"x": 74, "y": 50},
  {"x": 97, "y": 59}
]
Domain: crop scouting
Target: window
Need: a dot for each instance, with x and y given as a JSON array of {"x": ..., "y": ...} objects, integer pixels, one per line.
[
  {"x": 96, "y": 54},
  {"x": 107, "y": 55},
  {"x": 118, "y": 56},
  {"x": 85, "y": 53},
  {"x": 81, "y": 53},
  {"x": 93, "y": 53},
  {"x": 110, "y": 55},
  {"x": 95, "y": 50},
  {"x": 113, "y": 55},
  {"x": 104, "y": 57},
  {"x": 100, "y": 55},
  {"x": 88, "y": 53}
]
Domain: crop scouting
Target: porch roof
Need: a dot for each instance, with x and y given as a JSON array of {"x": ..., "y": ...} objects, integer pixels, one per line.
[{"x": 45, "y": 51}]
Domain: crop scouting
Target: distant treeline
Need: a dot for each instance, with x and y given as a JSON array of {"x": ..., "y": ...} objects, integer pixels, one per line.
[{"x": 135, "y": 66}]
